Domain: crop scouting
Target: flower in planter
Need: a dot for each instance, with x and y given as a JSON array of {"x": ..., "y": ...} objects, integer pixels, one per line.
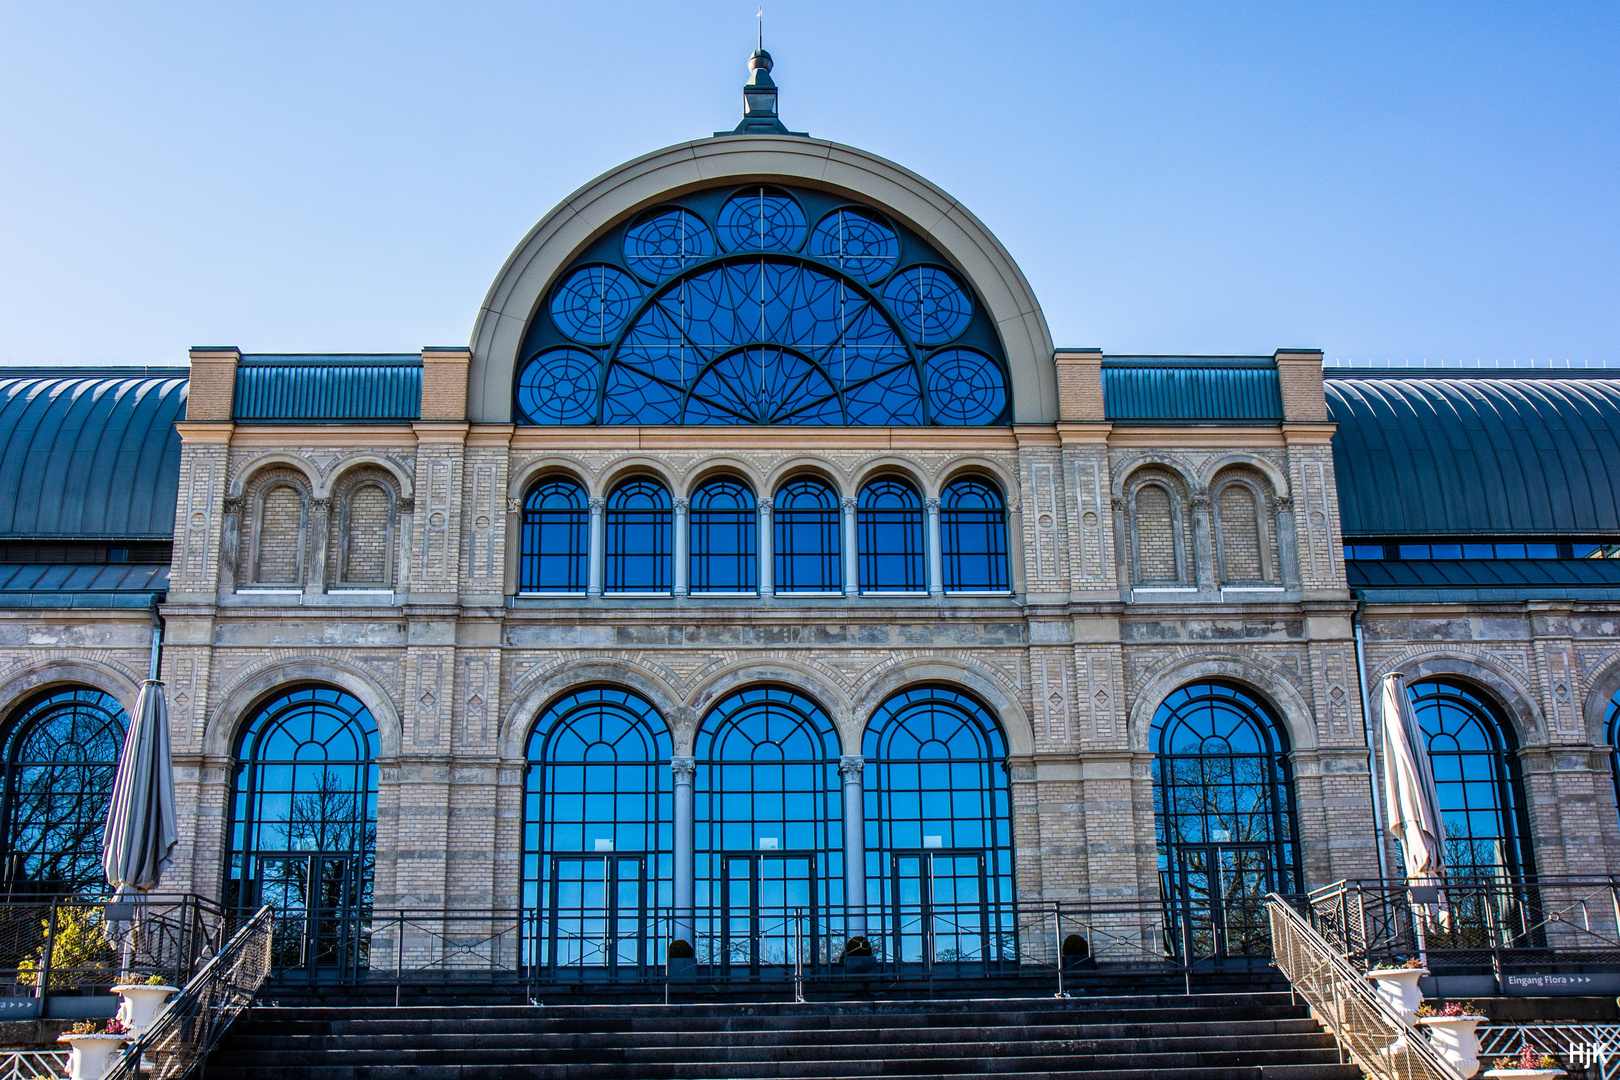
[
  {"x": 1460, "y": 1008},
  {"x": 1414, "y": 964},
  {"x": 156, "y": 980},
  {"x": 116, "y": 1026}
]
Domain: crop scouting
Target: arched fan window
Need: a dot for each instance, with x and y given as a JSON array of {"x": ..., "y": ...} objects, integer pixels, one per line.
[
  {"x": 61, "y": 755},
  {"x": 556, "y": 538},
  {"x": 761, "y": 305}
]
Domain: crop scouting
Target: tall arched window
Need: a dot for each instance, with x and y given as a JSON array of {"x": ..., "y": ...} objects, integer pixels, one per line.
[
  {"x": 638, "y": 531},
  {"x": 725, "y": 538},
  {"x": 597, "y": 834},
  {"x": 889, "y": 521},
  {"x": 973, "y": 537},
  {"x": 805, "y": 519},
  {"x": 556, "y": 538},
  {"x": 1476, "y": 776},
  {"x": 1224, "y": 816},
  {"x": 304, "y": 825},
  {"x": 769, "y": 831},
  {"x": 61, "y": 754},
  {"x": 939, "y": 848},
  {"x": 1611, "y": 729}
]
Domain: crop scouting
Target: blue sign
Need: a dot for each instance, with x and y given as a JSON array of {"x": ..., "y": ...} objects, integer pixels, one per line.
[{"x": 1601, "y": 982}]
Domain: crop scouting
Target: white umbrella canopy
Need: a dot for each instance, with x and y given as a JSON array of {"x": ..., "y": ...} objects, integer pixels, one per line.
[
  {"x": 142, "y": 827},
  {"x": 1414, "y": 808}
]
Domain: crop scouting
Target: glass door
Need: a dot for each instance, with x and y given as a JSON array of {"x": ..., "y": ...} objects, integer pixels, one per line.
[
  {"x": 770, "y": 917},
  {"x": 598, "y": 924},
  {"x": 321, "y": 910},
  {"x": 939, "y": 909},
  {"x": 1216, "y": 896}
]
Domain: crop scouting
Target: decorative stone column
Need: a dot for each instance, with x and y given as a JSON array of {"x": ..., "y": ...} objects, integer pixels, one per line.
[
  {"x": 1122, "y": 548},
  {"x": 1203, "y": 543},
  {"x": 852, "y": 565},
  {"x": 230, "y": 545},
  {"x": 767, "y": 551},
  {"x": 684, "y": 767},
  {"x": 320, "y": 515},
  {"x": 852, "y": 767},
  {"x": 1287, "y": 543},
  {"x": 936, "y": 557},
  {"x": 682, "y": 545},
  {"x": 598, "y": 548}
]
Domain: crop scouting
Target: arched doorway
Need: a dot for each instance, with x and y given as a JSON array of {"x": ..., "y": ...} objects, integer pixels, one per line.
[
  {"x": 597, "y": 836},
  {"x": 304, "y": 827},
  {"x": 768, "y": 851},
  {"x": 1224, "y": 821},
  {"x": 939, "y": 846},
  {"x": 61, "y": 753}
]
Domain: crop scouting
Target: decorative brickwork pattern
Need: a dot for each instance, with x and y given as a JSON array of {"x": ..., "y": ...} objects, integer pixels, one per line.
[
  {"x": 1155, "y": 537},
  {"x": 280, "y": 509},
  {"x": 1237, "y": 529}
]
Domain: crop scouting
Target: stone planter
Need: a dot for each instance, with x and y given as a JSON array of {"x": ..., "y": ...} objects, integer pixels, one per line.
[
  {"x": 860, "y": 965},
  {"x": 1524, "y": 1074},
  {"x": 1398, "y": 988},
  {"x": 142, "y": 1005},
  {"x": 1453, "y": 1037},
  {"x": 92, "y": 1054},
  {"x": 681, "y": 967}
]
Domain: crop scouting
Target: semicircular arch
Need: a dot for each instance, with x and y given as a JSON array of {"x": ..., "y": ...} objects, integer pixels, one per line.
[{"x": 253, "y": 688}]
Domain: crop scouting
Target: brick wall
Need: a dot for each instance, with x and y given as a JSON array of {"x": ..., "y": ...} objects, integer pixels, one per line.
[
  {"x": 1240, "y": 535},
  {"x": 280, "y": 531},
  {"x": 1155, "y": 536}
]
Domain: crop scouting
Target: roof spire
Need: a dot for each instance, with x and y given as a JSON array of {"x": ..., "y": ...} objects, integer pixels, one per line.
[{"x": 759, "y": 95}]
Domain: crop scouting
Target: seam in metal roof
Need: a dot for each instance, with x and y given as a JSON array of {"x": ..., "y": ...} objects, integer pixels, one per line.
[
  {"x": 1463, "y": 456},
  {"x": 1191, "y": 390},
  {"x": 92, "y": 454}
]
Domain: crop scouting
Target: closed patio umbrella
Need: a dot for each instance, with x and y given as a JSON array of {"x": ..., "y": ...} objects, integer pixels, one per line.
[
  {"x": 142, "y": 829},
  {"x": 1414, "y": 807}
]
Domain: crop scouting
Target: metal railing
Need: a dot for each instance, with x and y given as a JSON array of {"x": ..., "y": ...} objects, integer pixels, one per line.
[
  {"x": 74, "y": 944},
  {"x": 1481, "y": 925},
  {"x": 1384, "y": 1045},
  {"x": 191, "y": 1024},
  {"x": 1592, "y": 1049},
  {"x": 33, "y": 1064}
]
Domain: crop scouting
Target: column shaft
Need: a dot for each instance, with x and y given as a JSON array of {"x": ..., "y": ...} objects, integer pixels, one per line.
[
  {"x": 852, "y": 565},
  {"x": 767, "y": 551},
  {"x": 852, "y": 767},
  {"x": 683, "y": 541},
  {"x": 685, "y": 769},
  {"x": 936, "y": 557},
  {"x": 598, "y": 543}
]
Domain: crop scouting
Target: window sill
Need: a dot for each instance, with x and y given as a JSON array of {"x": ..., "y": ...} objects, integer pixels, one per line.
[
  {"x": 632, "y": 595},
  {"x": 978, "y": 592},
  {"x": 555, "y": 595},
  {"x": 265, "y": 591},
  {"x": 720, "y": 595}
]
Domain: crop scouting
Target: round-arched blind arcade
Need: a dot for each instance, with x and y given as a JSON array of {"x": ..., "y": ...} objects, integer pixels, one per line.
[{"x": 761, "y": 305}]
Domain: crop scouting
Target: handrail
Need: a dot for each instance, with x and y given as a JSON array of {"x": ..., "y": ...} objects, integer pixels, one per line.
[
  {"x": 1385, "y": 1045},
  {"x": 191, "y": 1024}
]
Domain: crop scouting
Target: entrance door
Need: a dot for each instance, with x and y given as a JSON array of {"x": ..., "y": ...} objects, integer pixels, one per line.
[
  {"x": 598, "y": 923},
  {"x": 770, "y": 919},
  {"x": 321, "y": 911},
  {"x": 939, "y": 911},
  {"x": 1217, "y": 901}
]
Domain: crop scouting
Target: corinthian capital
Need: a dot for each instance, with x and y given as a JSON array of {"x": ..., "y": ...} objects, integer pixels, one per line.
[
  {"x": 851, "y": 766},
  {"x": 684, "y": 766}
]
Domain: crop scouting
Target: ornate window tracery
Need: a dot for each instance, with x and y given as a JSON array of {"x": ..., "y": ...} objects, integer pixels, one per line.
[
  {"x": 761, "y": 305},
  {"x": 61, "y": 755}
]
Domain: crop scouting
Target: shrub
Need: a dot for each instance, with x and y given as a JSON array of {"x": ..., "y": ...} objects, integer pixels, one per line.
[
  {"x": 1075, "y": 945},
  {"x": 156, "y": 980},
  {"x": 680, "y": 949},
  {"x": 857, "y": 946},
  {"x": 79, "y": 944}
]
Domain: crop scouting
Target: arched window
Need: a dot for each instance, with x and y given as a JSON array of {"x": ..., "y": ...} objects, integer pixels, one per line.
[
  {"x": 597, "y": 834},
  {"x": 1476, "y": 776},
  {"x": 769, "y": 830},
  {"x": 1243, "y": 553},
  {"x": 638, "y": 525},
  {"x": 1223, "y": 806},
  {"x": 556, "y": 538},
  {"x": 304, "y": 825},
  {"x": 61, "y": 755},
  {"x": 761, "y": 305},
  {"x": 889, "y": 521},
  {"x": 725, "y": 538},
  {"x": 973, "y": 537},
  {"x": 365, "y": 533},
  {"x": 279, "y": 519},
  {"x": 939, "y": 847},
  {"x": 808, "y": 551},
  {"x": 1611, "y": 729},
  {"x": 1156, "y": 539}
]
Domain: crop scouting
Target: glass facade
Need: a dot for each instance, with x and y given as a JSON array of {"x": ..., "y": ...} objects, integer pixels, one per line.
[
  {"x": 1476, "y": 776},
  {"x": 939, "y": 850},
  {"x": 761, "y": 305},
  {"x": 973, "y": 537},
  {"x": 889, "y": 522},
  {"x": 725, "y": 538},
  {"x": 61, "y": 755},
  {"x": 638, "y": 535},
  {"x": 556, "y": 539},
  {"x": 597, "y": 834},
  {"x": 807, "y": 528},
  {"x": 304, "y": 825}
]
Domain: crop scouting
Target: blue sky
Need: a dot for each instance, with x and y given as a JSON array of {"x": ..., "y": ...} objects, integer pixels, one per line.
[{"x": 1382, "y": 181}]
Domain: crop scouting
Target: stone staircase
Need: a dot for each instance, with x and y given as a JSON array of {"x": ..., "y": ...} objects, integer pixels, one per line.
[{"x": 1255, "y": 1035}]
